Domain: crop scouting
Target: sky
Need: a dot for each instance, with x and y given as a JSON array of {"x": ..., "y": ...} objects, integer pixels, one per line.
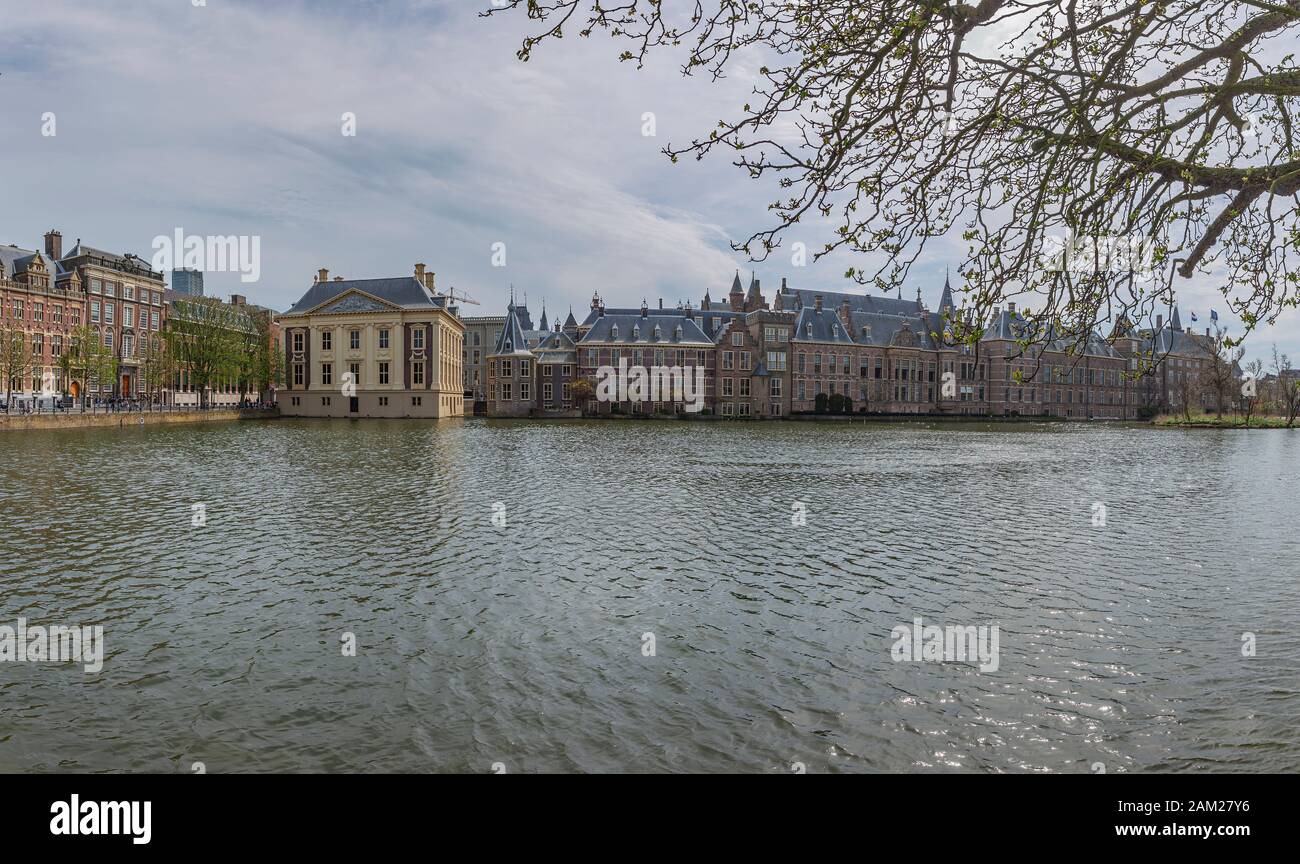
[{"x": 228, "y": 119}]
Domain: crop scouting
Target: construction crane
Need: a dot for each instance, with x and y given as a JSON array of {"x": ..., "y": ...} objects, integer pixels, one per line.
[{"x": 462, "y": 298}]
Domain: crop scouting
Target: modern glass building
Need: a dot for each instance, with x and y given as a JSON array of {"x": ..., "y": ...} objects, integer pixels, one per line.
[{"x": 188, "y": 281}]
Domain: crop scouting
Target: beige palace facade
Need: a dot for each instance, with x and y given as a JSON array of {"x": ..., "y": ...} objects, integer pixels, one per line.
[{"x": 372, "y": 348}]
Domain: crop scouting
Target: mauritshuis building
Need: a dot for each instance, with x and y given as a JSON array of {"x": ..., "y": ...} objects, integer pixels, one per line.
[
  {"x": 771, "y": 359},
  {"x": 372, "y": 348}
]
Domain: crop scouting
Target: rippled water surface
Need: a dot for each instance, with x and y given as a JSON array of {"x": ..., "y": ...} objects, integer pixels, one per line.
[{"x": 523, "y": 644}]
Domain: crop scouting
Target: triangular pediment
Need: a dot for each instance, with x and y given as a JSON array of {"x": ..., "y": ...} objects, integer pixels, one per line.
[{"x": 353, "y": 300}]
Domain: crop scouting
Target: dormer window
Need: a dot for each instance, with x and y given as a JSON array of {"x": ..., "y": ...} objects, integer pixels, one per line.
[
  {"x": 807, "y": 328},
  {"x": 658, "y": 332},
  {"x": 636, "y": 331},
  {"x": 677, "y": 334},
  {"x": 613, "y": 332}
]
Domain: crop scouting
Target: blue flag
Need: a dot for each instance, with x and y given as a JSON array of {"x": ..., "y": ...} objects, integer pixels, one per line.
[
  {"x": 1193, "y": 314},
  {"x": 1214, "y": 316}
]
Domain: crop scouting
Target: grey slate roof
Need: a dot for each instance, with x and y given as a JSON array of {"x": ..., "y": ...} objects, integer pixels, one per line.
[
  {"x": 512, "y": 339},
  {"x": 15, "y": 260},
  {"x": 820, "y": 325},
  {"x": 793, "y": 298},
  {"x": 557, "y": 347},
  {"x": 635, "y": 329},
  {"x": 874, "y": 328},
  {"x": 405, "y": 291}
]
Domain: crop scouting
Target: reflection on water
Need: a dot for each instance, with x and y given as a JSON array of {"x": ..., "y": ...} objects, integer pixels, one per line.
[{"x": 522, "y": 644}]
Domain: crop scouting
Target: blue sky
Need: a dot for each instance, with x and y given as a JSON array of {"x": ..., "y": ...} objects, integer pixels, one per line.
[{"x": 225, "y": 119}]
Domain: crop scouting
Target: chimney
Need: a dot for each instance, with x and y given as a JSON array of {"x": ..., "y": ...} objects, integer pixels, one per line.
[
  {"x": 1160, "y": 323},
  {"x": 645, "y": 310},
  {"x": 817, "y": 302},
  {"x": 784, "y": 289},
  {"x": 1011, "y": 307},
  {"x": 53, "y": 245},
  {"x": 338, "y": 278},
  {"x": 661, "y": 303},
  {"x": 1207, "y": 331},
  {"x": 844, "y": 312},
  {"x": 322, "y": 275},
  {"x": 428, "y": 280},
  {"x": 419, "y": 273},
  {"x": 238, "y": 299}
]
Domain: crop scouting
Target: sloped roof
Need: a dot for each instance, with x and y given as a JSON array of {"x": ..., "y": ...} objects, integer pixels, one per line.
[
  {"x": 793, "y": 298},
  {"x": 638, "y": 329},
  {"x": 820, "y": 325},
  {"x": 512, "y": 339},
  {"x": 405, "y": 291}
]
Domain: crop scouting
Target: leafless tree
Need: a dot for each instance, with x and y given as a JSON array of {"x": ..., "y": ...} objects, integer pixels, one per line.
[
  {"x": 1252, "y": 392},
  {"x": 1223, "y": 355},
  {"x": 1288, "y": 387},
  {"x": 1022, "y": 125}
]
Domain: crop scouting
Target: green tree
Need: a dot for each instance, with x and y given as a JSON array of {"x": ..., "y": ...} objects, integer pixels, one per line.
[
  {"x": 16, "y": 356},
  {"x": 208, "y": 339}
]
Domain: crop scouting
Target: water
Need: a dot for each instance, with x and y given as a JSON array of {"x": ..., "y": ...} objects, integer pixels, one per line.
[{"x": 478, "y": 644}]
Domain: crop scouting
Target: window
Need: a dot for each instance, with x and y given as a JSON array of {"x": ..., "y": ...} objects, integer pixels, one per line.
[
  {"x": 128, "y": 292},
  {"x": 548, "y": 392},
  {"x": 383, "y": 373},
  {"x": 507, "y": 368},
  {"x": 774, "y": 388},
  {"x": 417, "y": 372},
  {"x": 728, "y": 359},
  {"x": 417, "y": 400},
  {"x": 523, "y": 368},
  {"x": 383, "y": 401},
  {"x": 109, "y": 308},
  {"x": 293, "y": 400},
  {"x": 417, "y": 339},
  {"x": 128, "y": 345},
  {"x": 383, "y": 340},
  {"x": 744, "y": 359},
  {"x": 566, "y": 371},
  {"x": 153, "y": 316},
  {"x": 354, "y": 339},
  {"x": 355, "y": 369},
  {"x": 326, "y": 340},
  {"x": 108, "y": 338},
  {"x": 506, "y": 392},
  {"x": 776, "y": 361},
  {"x": 525, "y": 390},
  {"x": 325, "y": 401},
  {"x": 297, "y": 371},
  {"x": 326, "y": 373},
  {"x": 297, "y": 341},
  {"x": 96, "y": 287},
  {"x": 57, "y": 312},
  {"x": 737, "y": 339},
  {"x": 110, "y": 290},
  {"x": 744, "y": 386},
  {"x": 94, "y": 311},
  {"x": 726, "y": 387}
]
